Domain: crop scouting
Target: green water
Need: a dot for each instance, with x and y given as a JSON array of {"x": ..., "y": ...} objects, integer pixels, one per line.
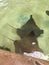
[{"x": 16, "y": 13}]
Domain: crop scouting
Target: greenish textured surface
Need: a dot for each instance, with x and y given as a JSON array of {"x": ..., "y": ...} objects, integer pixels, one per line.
[{"x": 16, "y": 13}]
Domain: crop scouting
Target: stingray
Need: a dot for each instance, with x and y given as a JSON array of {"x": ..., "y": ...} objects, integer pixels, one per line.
[
  {"x": 28, "y": 27},
  {"x": 28, "y": 33}
]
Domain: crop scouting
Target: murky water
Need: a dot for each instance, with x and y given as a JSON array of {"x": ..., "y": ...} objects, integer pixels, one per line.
[{"x": 16, "y": 13}]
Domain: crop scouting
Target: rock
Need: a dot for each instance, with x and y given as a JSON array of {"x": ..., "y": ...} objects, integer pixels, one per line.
[{"x": 8, "y": 58}]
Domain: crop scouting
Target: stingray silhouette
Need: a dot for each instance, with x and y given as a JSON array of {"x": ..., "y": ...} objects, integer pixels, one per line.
[{"x": 28, "y": 27}]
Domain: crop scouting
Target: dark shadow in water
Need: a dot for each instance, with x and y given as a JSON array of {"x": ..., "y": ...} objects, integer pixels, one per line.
[
  {"x": 28, "y": 27},
  {"x": 29, "y": 33}
]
